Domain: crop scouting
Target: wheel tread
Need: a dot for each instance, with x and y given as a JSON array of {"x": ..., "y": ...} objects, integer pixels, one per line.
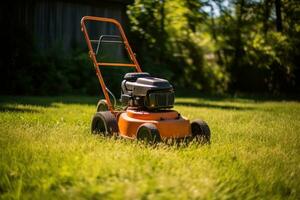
[{"x": 109, "y": 120}]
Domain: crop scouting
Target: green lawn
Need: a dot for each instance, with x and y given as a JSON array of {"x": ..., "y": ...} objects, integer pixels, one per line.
[{"x": 47, "y": 152}]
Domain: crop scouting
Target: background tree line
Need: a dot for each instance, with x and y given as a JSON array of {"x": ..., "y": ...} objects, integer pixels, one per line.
[
  {"x": 219, "y": 46},
  {"x": 207, "y": 45}
]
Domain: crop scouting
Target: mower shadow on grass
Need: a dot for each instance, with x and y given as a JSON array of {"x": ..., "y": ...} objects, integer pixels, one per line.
[{"x": 168, "y": 143}]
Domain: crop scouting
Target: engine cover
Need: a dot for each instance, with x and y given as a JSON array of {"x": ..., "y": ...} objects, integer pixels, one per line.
[{"x": 147, "y": 92}]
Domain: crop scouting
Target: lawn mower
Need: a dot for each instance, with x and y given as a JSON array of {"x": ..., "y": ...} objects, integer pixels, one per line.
[{"x": 147, "y": 101}]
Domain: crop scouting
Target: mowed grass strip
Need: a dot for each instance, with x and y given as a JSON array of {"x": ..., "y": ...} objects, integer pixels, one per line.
[{"x": 47, "y": 152}]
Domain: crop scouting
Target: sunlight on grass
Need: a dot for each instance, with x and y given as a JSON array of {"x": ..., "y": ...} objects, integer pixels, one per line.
[{"x": 47, "y": 152}]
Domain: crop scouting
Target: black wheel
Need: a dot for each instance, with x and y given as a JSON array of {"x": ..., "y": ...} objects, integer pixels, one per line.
[
  {"x": 104, "y": 123},
  {"x": 148, "y": 133},
  {"x": 200, "y": 131},
  {"x": 102, "y": 105}
]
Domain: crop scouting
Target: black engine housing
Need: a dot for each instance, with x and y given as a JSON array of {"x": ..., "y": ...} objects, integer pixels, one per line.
[{"x": 143, "y": 91}]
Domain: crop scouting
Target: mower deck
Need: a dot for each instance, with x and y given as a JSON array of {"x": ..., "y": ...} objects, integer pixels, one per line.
[{"x": 169, "y": 123}]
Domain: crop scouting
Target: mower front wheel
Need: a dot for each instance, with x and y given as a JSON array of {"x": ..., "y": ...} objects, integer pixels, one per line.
[
  {"x": 104, "y": 123},
  {"x": 200, "y": 131},
  {"x": 102, "y": 105},
  {"x": 148, "y": 133}
]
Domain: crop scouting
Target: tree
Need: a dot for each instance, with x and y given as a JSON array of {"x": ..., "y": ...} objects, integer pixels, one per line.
[
  {"x": 184, "y": 40},
  {"x": 278, "y": 15}
]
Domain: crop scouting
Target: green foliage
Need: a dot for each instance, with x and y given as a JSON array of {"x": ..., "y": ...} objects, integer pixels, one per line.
[
  {"x": 47, "y": 152},
  {"x": 259, "y": 56},
  {"x": 171, "y": 32},
  {"x": 219, "y": 45}
]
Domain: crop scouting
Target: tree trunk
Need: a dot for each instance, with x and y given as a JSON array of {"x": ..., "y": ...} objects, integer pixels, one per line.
[
  {"x": 238, "y": 38},
  {"x": 162, "y": 31},
  {"x": 278, "y": 15},
  {"x": 214, "y": 34},
  {"x": 266, "y": 15}
]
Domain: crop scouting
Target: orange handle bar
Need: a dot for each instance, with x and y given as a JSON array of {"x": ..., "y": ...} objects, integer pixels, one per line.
[
  {"x": 98, "y": 64},
  {"x": 127, "y": 46},
  {"x": 116, "y": 64}
]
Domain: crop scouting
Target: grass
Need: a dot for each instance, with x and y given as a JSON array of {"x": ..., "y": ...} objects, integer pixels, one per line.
[{"x": 47, "y": 152}]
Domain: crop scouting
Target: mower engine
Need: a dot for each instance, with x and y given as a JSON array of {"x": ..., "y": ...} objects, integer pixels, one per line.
[{"x": 142, "y": 91}]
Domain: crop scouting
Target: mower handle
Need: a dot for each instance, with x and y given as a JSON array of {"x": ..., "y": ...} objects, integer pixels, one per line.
[
  {"x": 123, "y": 36},
  {"x": 97, "y": 64}
]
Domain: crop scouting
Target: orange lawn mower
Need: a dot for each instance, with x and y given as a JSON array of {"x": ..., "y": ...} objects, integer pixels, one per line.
[{"x": 147, "y": 113}]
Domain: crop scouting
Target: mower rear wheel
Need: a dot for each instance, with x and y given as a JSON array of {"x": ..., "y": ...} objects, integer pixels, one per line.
[
  {"x": 148, "y": 133},
  {"x": 104, "y": 123},
  {"x": 200, "y": 131},
  {"x": 102, "y": 105}
]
